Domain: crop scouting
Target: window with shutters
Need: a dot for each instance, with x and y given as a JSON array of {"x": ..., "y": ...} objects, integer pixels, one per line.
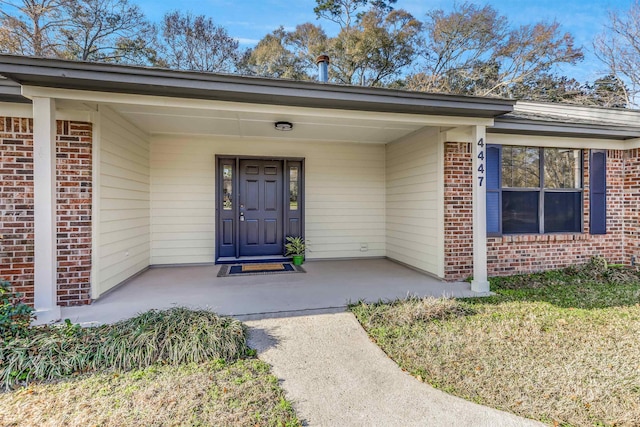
[{"x": 533, "y": 190}]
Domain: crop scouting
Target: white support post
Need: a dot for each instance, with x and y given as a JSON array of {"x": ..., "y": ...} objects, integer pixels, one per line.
[
  {"x": 44, "y": 194},
  {"x": 479, "y": 153}
]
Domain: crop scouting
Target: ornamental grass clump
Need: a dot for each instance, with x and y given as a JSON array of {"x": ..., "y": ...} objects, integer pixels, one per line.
[
  {"x": 172, "y": 336},
  {"x": 175, "y": 336},
  {"x": 414, "y": 310}
]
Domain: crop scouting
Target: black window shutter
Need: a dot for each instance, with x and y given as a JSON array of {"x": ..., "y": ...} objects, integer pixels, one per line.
[
  {"x": 598, "y": 192},
  {"x": 494, "y": 195}
]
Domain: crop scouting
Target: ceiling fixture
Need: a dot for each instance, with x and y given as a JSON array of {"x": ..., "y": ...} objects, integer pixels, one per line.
[{"x": 284, "y": 126}]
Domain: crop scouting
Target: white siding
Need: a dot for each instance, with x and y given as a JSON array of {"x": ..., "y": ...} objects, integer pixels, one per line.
[
  {"x": 124, "y": 230},
  {"x": 345, "y": 195},
  {"x": 414, "y": 199}
]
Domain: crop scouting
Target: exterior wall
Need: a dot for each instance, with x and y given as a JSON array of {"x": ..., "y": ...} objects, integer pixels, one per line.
[
  {"x": 632, "y": 207},
  {"x": 525, "y": 253},
  {"x": 344, "y": 191},
  {"x": 74, "y": 175},
  {"x": 413, "y": 180},
  {"x": 458, "y": 211},
  {"x": 74, "y": 190},
  {"x": 124, "y": 239}
]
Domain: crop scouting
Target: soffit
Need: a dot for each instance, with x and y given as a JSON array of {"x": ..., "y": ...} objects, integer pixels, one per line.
[{"x": 157, "y": 120}]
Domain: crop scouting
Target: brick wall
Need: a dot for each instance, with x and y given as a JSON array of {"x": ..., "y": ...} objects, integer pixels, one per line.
[
  {"x": 458, "y": 211},
  {"x": 511, "y": 254},
  {"x": 74, "y": 164},
  {"x": 16, "y": 204},
  {"x": 632, "y": 206},
  {"x": 73, "y": 152}
]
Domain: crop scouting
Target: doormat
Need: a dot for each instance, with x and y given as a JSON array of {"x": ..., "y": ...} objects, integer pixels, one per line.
[{"x": 259, "y": 269}]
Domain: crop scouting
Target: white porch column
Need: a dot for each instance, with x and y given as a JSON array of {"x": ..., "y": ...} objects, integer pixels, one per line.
[
  {"x": 44, "y": 193},
  {"x": 479, "y": 153}
]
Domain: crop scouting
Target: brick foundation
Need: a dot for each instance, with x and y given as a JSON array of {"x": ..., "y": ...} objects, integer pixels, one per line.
[
  {"x": 74, "y": 181},
  {"x": 526, "y": 253}
]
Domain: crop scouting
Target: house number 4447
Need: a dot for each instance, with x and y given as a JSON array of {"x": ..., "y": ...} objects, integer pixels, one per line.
[{"x": 481, "y": 162}]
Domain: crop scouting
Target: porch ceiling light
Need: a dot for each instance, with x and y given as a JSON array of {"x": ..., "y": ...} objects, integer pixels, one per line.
[{"x": 284, "y": 126}]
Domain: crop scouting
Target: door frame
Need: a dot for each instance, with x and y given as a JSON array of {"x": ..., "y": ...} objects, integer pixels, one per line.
[{"x": 236, "y": 196}]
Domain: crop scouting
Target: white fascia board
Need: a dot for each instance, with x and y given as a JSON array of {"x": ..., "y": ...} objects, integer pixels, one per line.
[
  {"x": 12, "y": 109},
  {"x": 632, "y": 143},
  {"x": 557, "y": 142},
  {"x": 148, "y": 100}
]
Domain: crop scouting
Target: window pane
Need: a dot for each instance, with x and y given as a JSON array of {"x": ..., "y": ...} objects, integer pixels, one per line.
[
  {"x": 520, "y": 167},
  {"x": 227, "y": 187},
  {"x": 293, "y": 188},
  {"x": 562, "y": 212},
  {"x": 520, "y": 212},
  {"x": 562, "y": 168}
]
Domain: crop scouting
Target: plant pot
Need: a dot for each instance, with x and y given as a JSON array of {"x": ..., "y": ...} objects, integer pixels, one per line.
[{"x": 298, "y": 259}]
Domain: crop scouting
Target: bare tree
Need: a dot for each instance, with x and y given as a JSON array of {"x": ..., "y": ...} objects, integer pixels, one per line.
[
  {"x": 106, "y": 30},
  {"x": 31, "y": 27},
  {"x": 189, "y": 42},
  {"x": 346, "y": 12},
  {"x": 471, "y": 50},
  {"x": 456, "y": 43},
  {"x": 619, "y": 48}
]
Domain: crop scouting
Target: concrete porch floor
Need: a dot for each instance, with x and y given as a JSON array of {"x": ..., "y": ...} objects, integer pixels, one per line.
[{"x": 327, "y": 286}]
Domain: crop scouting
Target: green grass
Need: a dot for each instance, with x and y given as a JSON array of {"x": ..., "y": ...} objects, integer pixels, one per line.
[
  {"x": 561, "y": 347},
  {"x": 215, "y": 393}
]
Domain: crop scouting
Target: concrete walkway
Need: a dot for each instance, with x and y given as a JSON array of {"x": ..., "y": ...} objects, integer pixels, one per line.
[{"x": 336, "y": 376}]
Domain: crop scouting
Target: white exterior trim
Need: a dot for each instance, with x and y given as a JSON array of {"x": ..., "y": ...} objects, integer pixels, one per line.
[
  {"x": 44, "y": 191},
  {"x": 560, "y": 142},
  {"x": 13, "y": 109},
  {"x": 95, "y": 204},
  {"x": 107, "y": 97},
  {"x": 442, "y": 140},
  {"x": 479, "y": 144}
]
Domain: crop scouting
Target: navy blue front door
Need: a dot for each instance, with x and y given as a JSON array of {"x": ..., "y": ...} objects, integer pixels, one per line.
[{"x": 260, "y": 208}]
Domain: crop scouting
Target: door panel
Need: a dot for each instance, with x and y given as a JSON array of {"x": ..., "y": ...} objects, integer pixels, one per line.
[{"x": 261, "y": 206}]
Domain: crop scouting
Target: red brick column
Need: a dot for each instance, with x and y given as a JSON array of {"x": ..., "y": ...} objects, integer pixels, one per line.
[
  {"x": 16, "y": 204},
  {"x": 74, "y": 188},
  {"x": 74, "y": 183},
  {"x": 632, "y": 207},
  {"x": 458, "y": 211}
]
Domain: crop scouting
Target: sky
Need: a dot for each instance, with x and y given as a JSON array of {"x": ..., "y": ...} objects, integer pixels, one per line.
[{"x": 249, "y": 20}]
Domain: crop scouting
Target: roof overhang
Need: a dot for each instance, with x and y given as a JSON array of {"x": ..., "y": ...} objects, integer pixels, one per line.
[
  {"x": 54, "y": 73},
  {"x": 561, "y": 129}
]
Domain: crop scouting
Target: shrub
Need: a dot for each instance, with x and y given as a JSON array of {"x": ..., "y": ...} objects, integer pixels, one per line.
[
  {"x": 173, "y": 336},
  {"x": 15, "y": 315}
]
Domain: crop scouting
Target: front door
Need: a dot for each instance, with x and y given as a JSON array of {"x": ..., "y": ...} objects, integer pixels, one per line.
[
  {"x": 260, "y": 207},
  {"x": 259, "y": 202}
]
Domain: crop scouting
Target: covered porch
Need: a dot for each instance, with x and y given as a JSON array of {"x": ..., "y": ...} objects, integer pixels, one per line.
[
  {"x": 327, "y": 286},
  {"x": 167, "y": 183}
]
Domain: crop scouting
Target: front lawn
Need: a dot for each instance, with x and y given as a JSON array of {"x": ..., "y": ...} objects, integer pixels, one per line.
[
  {"x": 171, "y": 367},
  {"x": 562, "y": 347},
  {"x": 215, "y": 393}
]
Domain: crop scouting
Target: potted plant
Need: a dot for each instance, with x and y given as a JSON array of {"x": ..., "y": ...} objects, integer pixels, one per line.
[{"x": 295, "y": 248}]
